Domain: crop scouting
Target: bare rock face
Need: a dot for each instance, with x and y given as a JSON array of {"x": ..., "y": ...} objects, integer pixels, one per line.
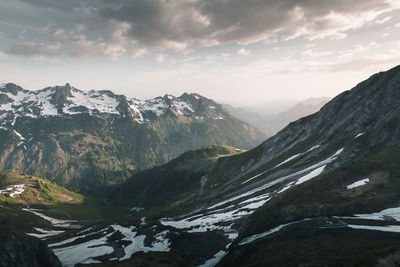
[{"x": 17, "y": 249}]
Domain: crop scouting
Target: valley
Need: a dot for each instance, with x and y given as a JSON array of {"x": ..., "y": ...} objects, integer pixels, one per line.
[
  {"x": 322, "y": 191},
  {"x": 201, "y": 133},
  {"x": 91, "y": 141}
]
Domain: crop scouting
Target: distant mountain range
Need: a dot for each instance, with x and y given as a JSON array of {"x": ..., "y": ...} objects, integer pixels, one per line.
[
  {"x": 273, "y": 119},
  {"x": 89, "y": 140}
]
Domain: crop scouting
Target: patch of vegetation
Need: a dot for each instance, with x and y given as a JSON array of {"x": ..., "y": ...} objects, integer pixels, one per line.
[
  {"x": 89, "y": 154},
  {"x": 53, "y": 200},
  {"x": 170, "y": 185}
]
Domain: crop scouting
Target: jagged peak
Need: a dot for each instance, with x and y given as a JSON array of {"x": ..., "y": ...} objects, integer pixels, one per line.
[
  {"x": 11, "y": 88},
  {"x": 67, "y": 100}
]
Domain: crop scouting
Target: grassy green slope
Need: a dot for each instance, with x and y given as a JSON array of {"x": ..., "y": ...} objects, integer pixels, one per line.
[
  {"x": 88, "y": 154},
  {"x": 170, "y": 185},
  {"x": 52, "y": 199}
]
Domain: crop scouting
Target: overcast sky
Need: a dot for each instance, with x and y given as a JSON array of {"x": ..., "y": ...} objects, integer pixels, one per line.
[{"x": 235, "y": 51}]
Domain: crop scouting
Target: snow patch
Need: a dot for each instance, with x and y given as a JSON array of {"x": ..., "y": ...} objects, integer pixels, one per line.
[
  {"x": 161, "y": 243},
  {"x": 53, "y": 221},
  {"x": 182, "y": 107},
  {"x": 70, "y": 240},
  {"x": 285, "y": 188},
  {"x": 155, "y": 105},
  {"x": 358, "y": 135},
  {"x": 358, "y": 183},
  {"x": 83, "y": 252},
  {"x": 296, "y": 156},
  {"x": 44, "y": 233},
  {"x": 23, "y": 102},
  {"x": 19, "y": 135},
  {"x": 311, "y": 175},
  {"x": 13, "y": 190},
  {"x": 264, "y": 234},
  {"x": 392, "y": 213},
  {"x": 93, "y": 101},
  {"x": 218, "y": 219},
  {"x": 214, "y": 261},
  {"x": 313, "y": 170},
  {"x": 269, "y": 232},
  {"x": 387, "y": 228},
  {"x": 254, "y": 177}
]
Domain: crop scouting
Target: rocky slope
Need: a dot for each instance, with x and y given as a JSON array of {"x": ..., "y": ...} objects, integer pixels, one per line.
[
  {"x": 169, "y": 184},
  {"x": 89, "y": 140},
  {"x": 353, "y": 126},
  {"x": 17, "y": 249},
  {"x": 351, "y": 211}
]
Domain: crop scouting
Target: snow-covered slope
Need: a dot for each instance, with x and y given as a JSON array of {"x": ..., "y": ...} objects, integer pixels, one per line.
[{"x": 66, "y": 100}]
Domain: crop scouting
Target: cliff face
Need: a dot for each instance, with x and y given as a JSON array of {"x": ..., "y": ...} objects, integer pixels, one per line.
[{"x": 17, "y": 249}]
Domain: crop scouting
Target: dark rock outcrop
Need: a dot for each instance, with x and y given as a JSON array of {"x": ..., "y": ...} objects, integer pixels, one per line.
[{"x": 17, "y": 249}]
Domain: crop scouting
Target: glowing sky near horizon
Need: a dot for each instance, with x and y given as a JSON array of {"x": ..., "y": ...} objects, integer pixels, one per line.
[{"x": 238, "y": 52}]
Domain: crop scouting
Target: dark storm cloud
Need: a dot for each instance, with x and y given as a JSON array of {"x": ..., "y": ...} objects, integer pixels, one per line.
[
  {"x": 113, "y": 27},
  {"x": 154, "y": 22},
  {"x": 158, "y": 21}
]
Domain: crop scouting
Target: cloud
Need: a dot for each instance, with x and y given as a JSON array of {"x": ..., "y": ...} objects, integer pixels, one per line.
[
  {"x": 160, "y": 23},
  {"x": 139, "y": 53},
  {"x": 31, "y": 48},
  {"x": 77, "y": 43},
  {"x": 157, "y": 23},
  {"x": 161, "y": 58},
  {"x": 123, "y": 27},
  {"x": 244, "y": 52},
  {"x": 316, "y": 54},
  {"x": 385, "y": 61},
  {"x": 381, "y": 21}
]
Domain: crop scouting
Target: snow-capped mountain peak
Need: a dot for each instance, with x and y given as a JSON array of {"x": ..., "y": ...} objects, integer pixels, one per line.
[{"x": 66, "y": 100}]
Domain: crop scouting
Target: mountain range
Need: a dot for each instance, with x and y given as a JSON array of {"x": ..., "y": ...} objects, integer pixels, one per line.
[
  {"x": 272, "y": 120},
  {"x": 306, "y": 173},
  {"x": 90, "y": 140},
  {"x": 323, "y": 191}
]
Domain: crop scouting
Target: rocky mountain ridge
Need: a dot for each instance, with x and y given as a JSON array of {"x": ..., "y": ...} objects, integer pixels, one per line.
[
  {"x": 362, "y": 121},
  {"x": 66, "y": 100},
  {"x": 88, "y": 141},
  {"x": 354, "y": 125}
]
